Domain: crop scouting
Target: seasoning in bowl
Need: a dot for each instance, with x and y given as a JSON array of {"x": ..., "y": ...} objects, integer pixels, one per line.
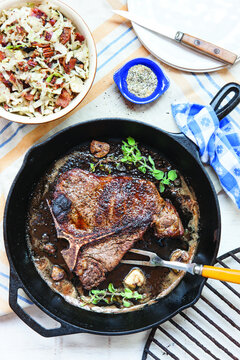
[
  {"x": 141, "y": 81},
  {"x": 44, "y": 60}
]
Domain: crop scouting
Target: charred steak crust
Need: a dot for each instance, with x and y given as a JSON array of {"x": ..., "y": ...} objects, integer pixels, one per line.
[{"x": 104, "y": 216}]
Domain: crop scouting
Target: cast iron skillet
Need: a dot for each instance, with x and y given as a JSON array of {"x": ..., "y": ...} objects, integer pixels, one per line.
[{"x": 178, "y": 149}]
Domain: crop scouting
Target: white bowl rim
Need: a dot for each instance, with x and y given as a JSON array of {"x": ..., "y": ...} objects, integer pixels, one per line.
[{"x": 93, "y": 66}]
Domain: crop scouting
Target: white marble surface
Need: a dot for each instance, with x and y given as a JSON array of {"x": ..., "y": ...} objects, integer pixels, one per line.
[{"x": 17, "y": 340}]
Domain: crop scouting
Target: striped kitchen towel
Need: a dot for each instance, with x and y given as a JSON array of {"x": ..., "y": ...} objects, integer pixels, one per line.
[{"x": 218, "y": 142}]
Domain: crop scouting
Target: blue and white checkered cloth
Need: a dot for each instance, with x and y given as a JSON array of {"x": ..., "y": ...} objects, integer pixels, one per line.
[{"x": 218, "y": 142}]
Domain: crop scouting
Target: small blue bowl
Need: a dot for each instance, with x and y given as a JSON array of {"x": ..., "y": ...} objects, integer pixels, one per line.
[{"x": 121, "y": 75}]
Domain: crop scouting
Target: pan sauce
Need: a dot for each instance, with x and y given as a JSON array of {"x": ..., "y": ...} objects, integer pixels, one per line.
[{"x": 41, "y": 232}]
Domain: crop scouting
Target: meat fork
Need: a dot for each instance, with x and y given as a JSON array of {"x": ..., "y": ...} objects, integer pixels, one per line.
[{"x": 212, "y": 272}]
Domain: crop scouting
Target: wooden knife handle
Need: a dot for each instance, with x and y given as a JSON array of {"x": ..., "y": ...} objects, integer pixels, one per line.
[{"x": 209, "y": 49}]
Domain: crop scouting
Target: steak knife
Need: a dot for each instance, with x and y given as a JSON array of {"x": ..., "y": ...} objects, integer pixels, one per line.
[{"x": 190, "y": 41}]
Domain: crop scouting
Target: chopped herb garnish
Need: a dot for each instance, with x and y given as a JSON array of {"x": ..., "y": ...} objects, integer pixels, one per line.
[
  {"x": 92, "y": 167},
  {"x": 49, "y": 78},
  {"x": 132, "y": 154},
  {"x": 31, "y": 5},
  {"x": 14, "y": 47},
  {"x": 110, "y": 294}
]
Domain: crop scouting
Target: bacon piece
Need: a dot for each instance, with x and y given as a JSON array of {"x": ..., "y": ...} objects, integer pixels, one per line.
[
  {"x": 48, "y": 35},
  {"x": 48, "y": 52},
  {"x": 56, "y": 86},
  {"x": 52, "y": 21},
  {"x": 28, "y": 96},
  {"x": 35, "y": 44},
  {"x": 72, "y": 63},
  {"x": 35, "y": 54},
  {"x": 79, "y": 37},
  {"x": 54, "y": 79},
  {"x": 2, "y": 55},
  {"x": 63, "y": 99},
  {"x": 68, "y": 67},
  {"x": 21, "y": 30},
  {"x": 38, "y": 13},
  {"x": 2, "y": 40},
  {"x": 22, "y": 66},
  {"x": 7, "y": 83},
  {"x": 32, "y": 63},
  {"x": 12, "y": 79},
  {"x": 65, "y": 35}
]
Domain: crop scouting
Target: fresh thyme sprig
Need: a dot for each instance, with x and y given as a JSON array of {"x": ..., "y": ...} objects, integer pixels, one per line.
[
  {"x": 132, "y": 154},
  {"x": 108, "y": 295}
]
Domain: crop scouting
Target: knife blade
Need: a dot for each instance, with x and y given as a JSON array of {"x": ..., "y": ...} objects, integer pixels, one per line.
[{"x": 190, "y": 41}]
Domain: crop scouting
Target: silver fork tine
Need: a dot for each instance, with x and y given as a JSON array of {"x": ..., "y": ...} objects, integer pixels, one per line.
[
  {"x": 137, "y": 262},
  {"x": 143, "y": 252}
]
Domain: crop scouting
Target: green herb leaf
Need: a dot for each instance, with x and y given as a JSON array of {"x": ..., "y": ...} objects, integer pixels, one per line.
[
  {"x": 137, "y": 296},
  {"x": 172, "y": 175},
  {"x": 131, "y": 154},
  {"x": 131, "y": 141},
  {"x": 13, "y": 47},
  {"x": 31, "y": 5},
  {"x": 165, "y": 181},
  {"x": 94, "y": 301},
  {"x": 142, "y": 169},
  {"x": 98, "y": 292},
  {"x": 158, "y": 174},
  {"x": 92, "y": 167},
  {"x": 49, "y": 78},
  {"x": 111, "y": 288},
  {"x": 138, "y": 154},
  {"x": 110, "y": 294},
  {"x": 128, "y": 293},
  {"x": 161, "y": 187},
  {"x": 150, "y": 159},
  {"x": 126, "y": 303}
]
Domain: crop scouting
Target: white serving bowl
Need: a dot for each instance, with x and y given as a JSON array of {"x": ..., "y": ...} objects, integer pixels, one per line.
[{"x": 84, "y": 30}]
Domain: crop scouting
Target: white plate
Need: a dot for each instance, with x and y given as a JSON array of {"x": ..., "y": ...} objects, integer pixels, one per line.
[{"x": 216, "y": 21}]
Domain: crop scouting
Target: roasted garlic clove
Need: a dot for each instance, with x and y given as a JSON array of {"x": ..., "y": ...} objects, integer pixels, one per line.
[
  {"x": 57, "y": 273},
  {"x": 134, "y": 278}
]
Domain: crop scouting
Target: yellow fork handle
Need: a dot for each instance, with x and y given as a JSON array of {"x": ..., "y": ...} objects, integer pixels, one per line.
[{"x": 223, "y": 274}]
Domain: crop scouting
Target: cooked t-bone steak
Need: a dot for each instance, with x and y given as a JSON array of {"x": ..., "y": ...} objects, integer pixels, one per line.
[{"x": 106, "y": 216}]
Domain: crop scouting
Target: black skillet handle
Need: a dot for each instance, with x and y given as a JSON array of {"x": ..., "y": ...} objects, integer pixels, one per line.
[
  {"x": 14, "y": 286},
  {"x": 221, "y": 95}
]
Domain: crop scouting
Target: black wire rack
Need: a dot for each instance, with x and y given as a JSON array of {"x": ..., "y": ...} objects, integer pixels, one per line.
[{"x": 210, "y": 329}]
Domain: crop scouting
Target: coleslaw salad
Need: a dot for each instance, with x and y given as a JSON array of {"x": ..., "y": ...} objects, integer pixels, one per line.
[{"x": 44, "y": 61}]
